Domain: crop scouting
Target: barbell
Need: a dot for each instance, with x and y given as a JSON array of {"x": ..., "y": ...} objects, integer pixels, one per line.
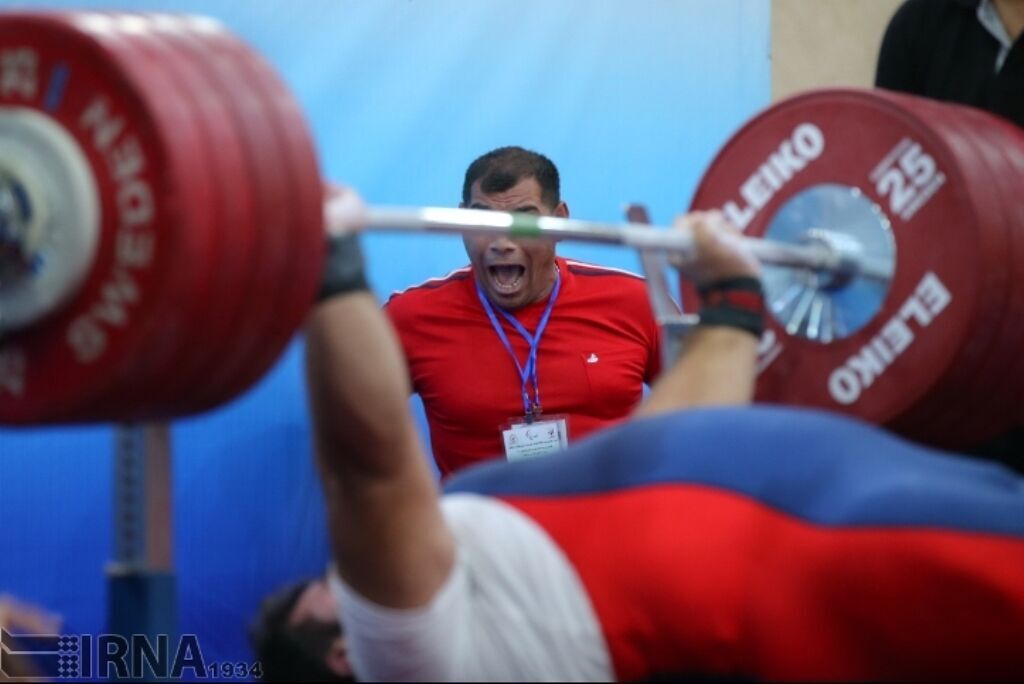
[{"x": 162, "y": 223}]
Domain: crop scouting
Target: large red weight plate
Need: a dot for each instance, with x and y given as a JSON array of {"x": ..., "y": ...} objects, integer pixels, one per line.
[
  {"x": 855, "y": 139},
  {"x": 240, "y": 263},
  {"x": 999, "y": 409},
  {"x": 306, "y": 227},
  {"x": 209, "y": 44},
  {"x": 298, "y": 275},
  {"x": 985, "y": 398},
  {"x": 941, "y": 416},
  {"x": 1010, "y": 140},
  {"x": 134, "y": 296},
  {"x": 144, "y": 399}
]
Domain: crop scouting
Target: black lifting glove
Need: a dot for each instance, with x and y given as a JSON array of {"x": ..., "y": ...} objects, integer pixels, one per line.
[
  {"x": 736, "y": 302},
  {"x": 343, "y": 267}
]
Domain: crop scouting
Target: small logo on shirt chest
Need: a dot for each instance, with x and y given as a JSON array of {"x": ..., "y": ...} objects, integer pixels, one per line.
[{"x": 592, "y": 358}]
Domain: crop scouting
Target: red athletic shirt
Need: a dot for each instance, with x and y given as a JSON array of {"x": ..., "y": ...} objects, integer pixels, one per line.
[
  {"x": 601, "y": 344},
  {"x": 771, "y": 543}
]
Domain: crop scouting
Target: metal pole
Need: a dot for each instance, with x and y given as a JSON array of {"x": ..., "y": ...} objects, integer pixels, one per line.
[
  {"x": 142, "y": 593},
  {"x": 674, "y": 324}
]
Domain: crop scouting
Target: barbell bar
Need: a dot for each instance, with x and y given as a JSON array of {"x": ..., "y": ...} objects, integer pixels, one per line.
[{"x": 822, "y": 253}]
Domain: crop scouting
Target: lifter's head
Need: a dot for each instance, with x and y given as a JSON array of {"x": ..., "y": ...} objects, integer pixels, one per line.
[
  {"x": 297, "y": 636},
  {"x": 513, "y": 273}
]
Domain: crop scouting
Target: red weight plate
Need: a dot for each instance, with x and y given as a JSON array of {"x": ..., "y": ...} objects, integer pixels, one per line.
[
  {"x": 237, "y": 266},
  {"x": 985, "y": 400},
  {"x": 257, "y": 336},
  {"x": 940, "y": 417},
  {"x": 287, "y": 315},
  {"x": 306, "y": 228},
  {"x": 1008, "y": 393},
  {"x": 132, "y": 36},
  {"x": 852, "y": 138},
  {"x": 1010, "y": 139},
  {"x": 132, "y": 302},
  {"x": 1012, "y": 144},
  {"x": 258, "y": 256}
]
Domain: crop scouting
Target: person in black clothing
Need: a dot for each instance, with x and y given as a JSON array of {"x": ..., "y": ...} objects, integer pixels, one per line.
[{"x": 965, "y": 51}]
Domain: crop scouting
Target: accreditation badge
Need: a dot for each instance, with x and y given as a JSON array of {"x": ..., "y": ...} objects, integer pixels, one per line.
[{"x": 525, "y": 439}]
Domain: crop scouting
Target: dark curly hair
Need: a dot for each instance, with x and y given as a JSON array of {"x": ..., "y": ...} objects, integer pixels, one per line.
[{"x": 292, "y": 653}]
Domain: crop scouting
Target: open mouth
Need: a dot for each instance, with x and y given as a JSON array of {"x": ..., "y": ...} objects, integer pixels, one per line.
[{"x": 506, "y": 278}]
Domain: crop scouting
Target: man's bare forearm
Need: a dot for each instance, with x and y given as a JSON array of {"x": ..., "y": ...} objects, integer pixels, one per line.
[
  {"x": 389, "y": 538},
  {"x": 717, "y": 367},
  {"x": 358, "y": 388}
]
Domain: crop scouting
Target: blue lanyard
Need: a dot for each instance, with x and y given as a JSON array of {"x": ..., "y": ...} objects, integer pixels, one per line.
[{"x": 530, "y": 371}]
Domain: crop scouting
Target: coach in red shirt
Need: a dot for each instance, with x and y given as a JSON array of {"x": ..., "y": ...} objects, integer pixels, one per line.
[{"x": 522, "y": 351}]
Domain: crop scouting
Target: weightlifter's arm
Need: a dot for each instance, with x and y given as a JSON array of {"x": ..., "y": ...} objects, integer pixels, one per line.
[
  {"x": 717, "y": 366},
  {"x": 389, "y": 539}
]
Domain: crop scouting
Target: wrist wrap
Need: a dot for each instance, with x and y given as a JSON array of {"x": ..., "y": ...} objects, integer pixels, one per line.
[
  {"x": 736, "y": 302},
  {"x": 343, "y": 267}
]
